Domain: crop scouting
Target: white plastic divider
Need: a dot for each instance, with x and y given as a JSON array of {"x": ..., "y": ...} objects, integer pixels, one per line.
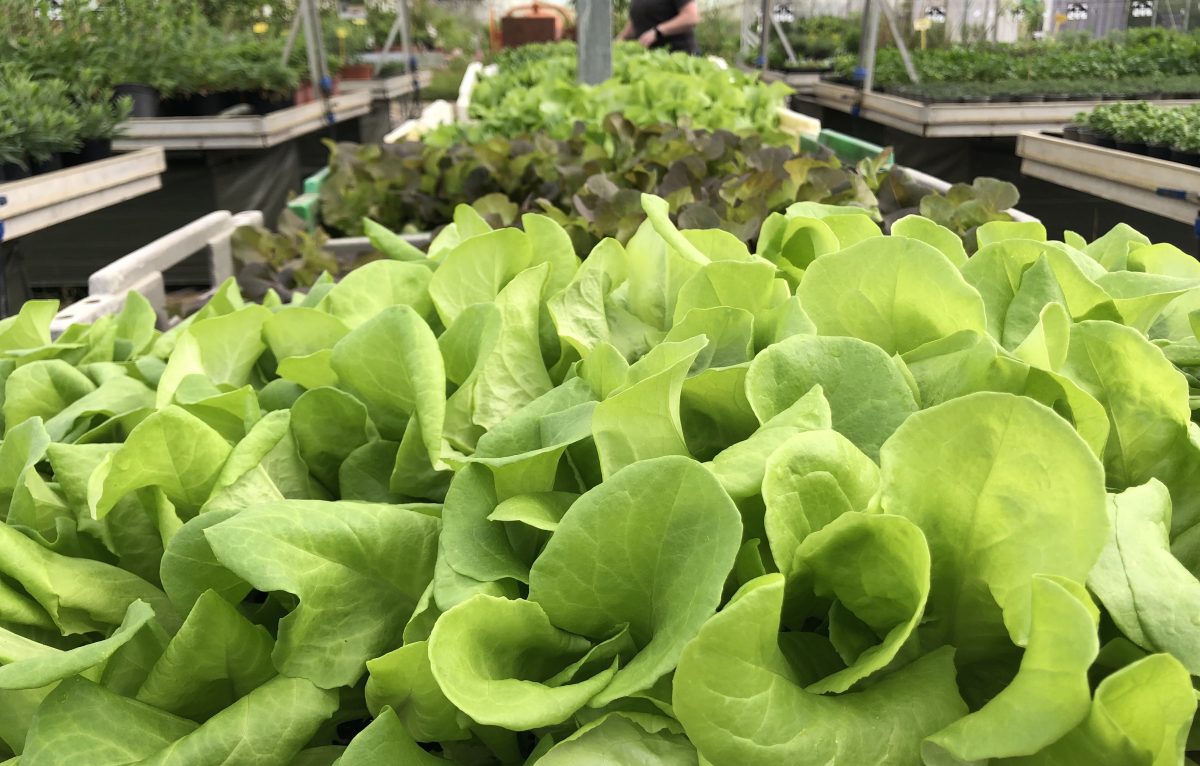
[
  {"x": 436, "y": 114},
  {"x": 142, "y": 270},
  {"x": 475, "y": 70},
  {"x": 443, "y": 112},
  {"x": 348, "y": 248},
  {"x": 796, "y": 124},
  {"x": 941, "y": 187}
]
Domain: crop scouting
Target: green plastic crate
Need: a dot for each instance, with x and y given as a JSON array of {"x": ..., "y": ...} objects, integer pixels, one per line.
[
  {"x": 312, "y": 184},
  {"x": 849, "y": 148},
  {"x": 308, "y": 205}
]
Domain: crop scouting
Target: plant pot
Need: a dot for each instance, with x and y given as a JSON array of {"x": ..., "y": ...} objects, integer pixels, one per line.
[
  {"x": 357, "y": 72},
  {"x": 1051, "y": 97},
  {"x": 232, "y": 98},
  {"x": 308, "y": 92},
  {"x": 93, "y": 149},
  {"x": 1089, "y": 136},
  {"x": 1108, "y": 142},
  {"x": 1081, "y": 97},
  {"x": 1003, "y": 98},
  {"x": 1133, "y": 147},
  {"x": 145, "y": 99},
  {"x": 175, "y": 106},
  {"x": 11, "y": 171},
  {"x": 207, "y": 104},
  {"x": 1159, "y": 151},
  {"x": 265, "y": 103},
  {"x": 1033, "y": 98},
  {"x": 49, "y": 165},
  {"x": 1071, "y": 132},
  {"x": 1185, "y": 158}
]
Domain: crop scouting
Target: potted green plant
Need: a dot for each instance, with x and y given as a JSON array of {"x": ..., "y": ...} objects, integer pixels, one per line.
[
  {"x": 100, "y": 116},
  {"x": 52, "y": 130},
  {"x": 99, "y": 123},
  {"x": 137, "y": 77},
  {"x": 42, "y": 118},
  {"x": 1187, "y": 149},
  {"x": 14, "y": 165},
  {"x": 1170, "y": 129},
  {"x": 1071, "y": 129},
  {"x": 1131, "y": 123},
  {"x": 269, "y": 85}
]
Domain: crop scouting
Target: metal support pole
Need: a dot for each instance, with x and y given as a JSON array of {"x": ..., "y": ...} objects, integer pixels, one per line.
[
  {"x": 297, "y": 20},
  {"x": 410, "y": 58},
  {"x": 890, "y": 14},
  {"x": 314, "y": 46},
  {"x": 595, "y": 41},
  {"x": 765, "y": 26},
  {"x": 399, "y": 26},
  {"x": 749, "y": 38},
  {"x": 315, "y": 71},
  {"x": 866, "y": 56},
  {"x": 787, "y": 44}
]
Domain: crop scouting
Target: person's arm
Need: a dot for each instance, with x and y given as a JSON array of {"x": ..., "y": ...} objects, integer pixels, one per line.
[
  {"x": 687, "y": 18},
  {"x": 627, "y": 32}
]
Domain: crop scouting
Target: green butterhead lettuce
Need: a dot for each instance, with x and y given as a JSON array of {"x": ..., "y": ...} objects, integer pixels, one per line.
[{"x": 841, "y": 498}]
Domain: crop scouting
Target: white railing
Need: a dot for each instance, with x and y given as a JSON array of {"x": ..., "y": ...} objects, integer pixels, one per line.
[{"x": 142, "y": 270}]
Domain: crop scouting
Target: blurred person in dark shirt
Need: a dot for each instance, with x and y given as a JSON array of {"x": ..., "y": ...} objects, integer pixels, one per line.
[{"x": 663, "y": 24}]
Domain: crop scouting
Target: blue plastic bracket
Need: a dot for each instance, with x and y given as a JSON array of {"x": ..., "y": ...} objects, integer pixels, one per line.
[
  {"x": 1171, "y": 193},
  {"x": 327, "y": 93}
]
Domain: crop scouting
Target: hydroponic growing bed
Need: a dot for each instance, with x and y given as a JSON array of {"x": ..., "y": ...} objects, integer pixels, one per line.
[
  {"x": 35, "y": 203},
  {"x": 1166, "y": 188},
  {"x": 244, "y": 132},
  {"x": 676, "y": 501},
  {"x": 390, "y": 88},
  {"x": 957, "y": 120},
  {"x": 801, "y": 83},
  {"x": 1001, "y": 89}
]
